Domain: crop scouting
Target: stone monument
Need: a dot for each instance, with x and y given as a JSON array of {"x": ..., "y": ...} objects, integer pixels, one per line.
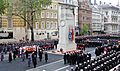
[{"x": 66, "y": 27}]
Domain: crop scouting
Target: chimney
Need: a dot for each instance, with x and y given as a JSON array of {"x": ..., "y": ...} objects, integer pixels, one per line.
[
  {"x": 95, "y": 2},
  {"x": 100, "y": 2},
  {"x": 90, "y": 2},
  {"x": 104, "y": 3},
  {"x": 118, "y": 3}
]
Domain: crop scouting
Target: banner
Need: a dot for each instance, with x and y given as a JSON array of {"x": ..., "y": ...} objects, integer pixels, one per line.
[{"x": 71, "y": 34}]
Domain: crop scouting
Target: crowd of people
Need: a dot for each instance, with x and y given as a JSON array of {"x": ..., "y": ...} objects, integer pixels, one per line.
[
  {"x": 106, "y": 49},
  {"x": 30, "y": 57},
  {"x": 103, "y": 61},
  {"x": 76, "y": 57},
  {"x": 14, "y": 52},
  {"x": 45, "y": 44}
]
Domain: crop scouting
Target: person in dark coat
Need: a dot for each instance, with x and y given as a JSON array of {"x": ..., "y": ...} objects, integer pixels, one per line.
[
  {"x": 40, "y": 55},
  {"x": 70, "y": 59},
  {"x": 10, "y": 57},
  {"x": 14, "y": 55},
  {"x": 97, "y": 51},
  {"x": 2, "y": 56},
  {"x": 34, "y": 59},
  {"x": 26, "y": 54},
  {"x": 89, "y": 56},
  {"x": 46, "y": 56},
  {"x": 79, "y": 58},
  {"x": 65, "y": 58}
]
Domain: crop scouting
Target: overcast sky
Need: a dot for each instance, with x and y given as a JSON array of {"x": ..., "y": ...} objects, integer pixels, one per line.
[{"x": 114, "y": 2}]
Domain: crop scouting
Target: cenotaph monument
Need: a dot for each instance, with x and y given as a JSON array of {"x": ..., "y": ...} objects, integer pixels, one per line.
[{"x": 66, "y": 27}]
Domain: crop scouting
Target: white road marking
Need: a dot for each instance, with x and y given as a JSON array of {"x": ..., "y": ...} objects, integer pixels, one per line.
[
  {"x": 50, "y": 63},
  {"x": 62, "y": 68},
  {"x": 57, "y": 62},
  {"x": 45, "y": 65}
]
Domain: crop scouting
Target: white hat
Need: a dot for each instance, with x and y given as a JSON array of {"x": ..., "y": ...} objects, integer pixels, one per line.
[{"x": 67, "y": 70}]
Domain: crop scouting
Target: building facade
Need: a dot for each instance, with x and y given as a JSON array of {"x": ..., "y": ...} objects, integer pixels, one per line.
[
  {"x": 13, "y": 25},
  {"x": 45, "y": 24},
  {"x": 111, "y": 18},
  {"x": 97, "y": 20},
  {"x": 85, "y": 13}
]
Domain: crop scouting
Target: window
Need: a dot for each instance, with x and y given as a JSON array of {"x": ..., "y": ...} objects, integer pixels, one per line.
[
  {"x": 66, "y": 1},
  {"x": 10, "y": 23},
  {"x": 51, "y": 15},
  {"x": 47, "y": 15},
  {"x": 42, "y": 5},
  {"x": 42, "y": 25},
  {"x": 106, "y": 13},
  {"x": 83, "y": 18},
  {"x": 70, "y": 1},
  {"x": 83, "y": 11},
  {"x": 98, "y": 25},
  {"x": 42, "y": 15},
  {"x": 55, "y": 25},
  {"x": 37, "y": 25},
  {"x": 47, "y": 25},
  {"x": 36, "y": 16},
  {"x": 87, "y": 18},
  {"x": 55, "y": 15},
  {"x": 93, "y": 25},
  {"x": 51, "y": 25},
  {"x": 55, "y": 7},
  {"x": 48, "y": 6}
]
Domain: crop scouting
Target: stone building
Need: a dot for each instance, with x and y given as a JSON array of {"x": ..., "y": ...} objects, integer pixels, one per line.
[{"x": 85, "y": 13}]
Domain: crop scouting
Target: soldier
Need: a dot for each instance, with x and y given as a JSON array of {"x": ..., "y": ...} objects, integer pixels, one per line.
[
  {"x": 26, "y": 54},
  {"x": 70, "y": 58},
  {"x": 89, "y": 56},
  {"x": 78, "y": 58},
  {"x": 40, "y": 55},
  {"x": 46, "y": 57},
  {"x": 97, "y": 51},
  {"x": 72, "y": 69},
  {"x": 65, "y": 58},
  {"x": 77, "y": 68}
]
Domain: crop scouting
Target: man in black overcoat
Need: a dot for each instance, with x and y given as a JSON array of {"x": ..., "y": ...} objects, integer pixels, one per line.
[
  {"x": 46, "y": 56},
  {"x": 10, "y": 56}
]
